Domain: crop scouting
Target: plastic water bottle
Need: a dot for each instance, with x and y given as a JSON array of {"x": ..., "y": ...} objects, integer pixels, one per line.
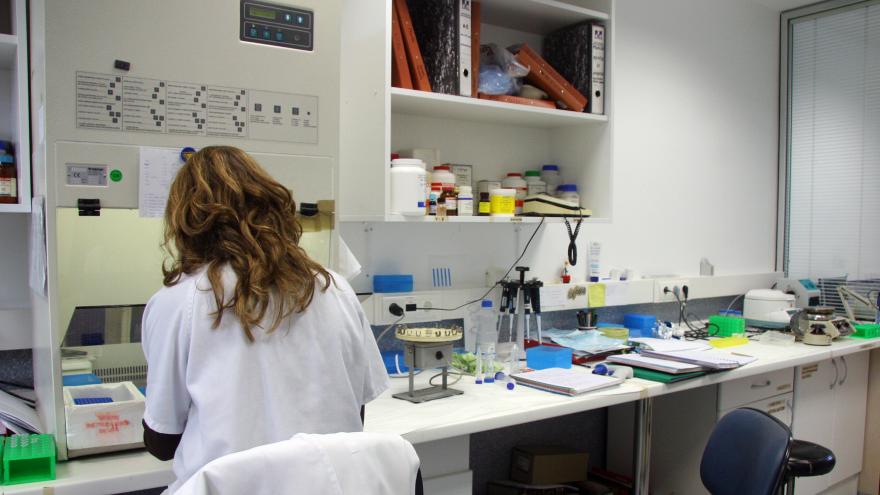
[{"x": 487, "y": 337}]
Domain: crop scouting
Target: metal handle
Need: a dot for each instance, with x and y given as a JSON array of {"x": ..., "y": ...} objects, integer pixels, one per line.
[
  {"x": 836, "y": 374},
  {"x": 765, "y": 383},
  {"x": 845, "y": 370}
]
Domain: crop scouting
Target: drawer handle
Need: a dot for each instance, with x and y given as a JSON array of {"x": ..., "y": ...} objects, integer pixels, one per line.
[{"x": 765, "y": 383}]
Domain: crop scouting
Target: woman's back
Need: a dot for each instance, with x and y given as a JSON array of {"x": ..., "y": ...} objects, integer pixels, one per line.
[{"x": 226, "y": 394}]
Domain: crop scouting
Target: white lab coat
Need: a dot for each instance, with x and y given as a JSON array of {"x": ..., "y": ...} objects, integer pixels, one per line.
[
  {"x": 335, "y": 464},
  {"x": 226, "y": 395}
]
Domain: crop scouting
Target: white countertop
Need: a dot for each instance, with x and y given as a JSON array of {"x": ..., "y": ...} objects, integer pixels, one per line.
[{"x": 480, "y": 408}]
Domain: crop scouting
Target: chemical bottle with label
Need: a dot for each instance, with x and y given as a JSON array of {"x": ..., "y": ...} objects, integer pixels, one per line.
[
  {"x": 449, "y": 200},
  {"x": 8, "y": 180}
]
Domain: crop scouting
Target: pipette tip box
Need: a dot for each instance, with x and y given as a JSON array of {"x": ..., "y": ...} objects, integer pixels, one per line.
[
  {"x": 28, "y": 458},
  {"x": 545, "y": 356}
]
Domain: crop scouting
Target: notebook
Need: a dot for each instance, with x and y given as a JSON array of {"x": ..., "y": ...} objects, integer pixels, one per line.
[
  {"x": 659, "y": 376},
  {"x": 565, "y": 381},
  {"x": 717, "y": 360},
  {"x": 664, "y": 345},
  {"x": 664, "y": 365}
]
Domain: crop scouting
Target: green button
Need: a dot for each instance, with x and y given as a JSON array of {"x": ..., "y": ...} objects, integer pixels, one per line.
[{"x": 116, "y": 175}]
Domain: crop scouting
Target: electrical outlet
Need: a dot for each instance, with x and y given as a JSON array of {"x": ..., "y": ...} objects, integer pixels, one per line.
[
  {"x": 408, "y": 302},
  {"x": 661, "y": 284}
]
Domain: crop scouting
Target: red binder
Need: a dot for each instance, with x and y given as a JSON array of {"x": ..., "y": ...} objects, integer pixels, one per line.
[
  {"x": 542, "y": 75},
  {"x": 413, "y": 54},
  {"x": 400, "y": 76}
]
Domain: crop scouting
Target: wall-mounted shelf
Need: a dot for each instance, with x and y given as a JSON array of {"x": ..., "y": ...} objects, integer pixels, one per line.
[
  {"x": 16, "y": 125},
  {"x": 436, "y": 105},
  {"x": 395, "y": 218},
  {"x": 537, "y": 16},
  {"x": 494, "y": 137},
  {"x": 15, "y": 208}
]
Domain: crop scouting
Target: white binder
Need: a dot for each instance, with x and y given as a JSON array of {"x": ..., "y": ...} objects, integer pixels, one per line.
[
  {"x": 464, "y": 48},
  {"x": 596, "y": 97}
]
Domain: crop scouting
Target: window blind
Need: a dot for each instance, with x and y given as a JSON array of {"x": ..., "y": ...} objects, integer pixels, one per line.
[{"x": 833, "y": 210}]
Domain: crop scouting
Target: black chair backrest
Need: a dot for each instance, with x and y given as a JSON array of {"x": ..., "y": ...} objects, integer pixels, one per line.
[{"x": 746, "y": 454}]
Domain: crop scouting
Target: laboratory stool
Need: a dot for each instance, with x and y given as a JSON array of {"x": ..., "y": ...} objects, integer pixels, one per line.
[
  {"x": 807, "y": 459},
  {"x": 751, "y": 452}
]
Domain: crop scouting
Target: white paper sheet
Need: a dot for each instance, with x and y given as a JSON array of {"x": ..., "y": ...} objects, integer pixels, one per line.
[
  {"x": 553, "y": 296},
  {"x": 37, "y": 276},
  {"x": 671, "y": 345},
  {"x": 18, "y": 415},
  {"x": 158, "y": 166},
  {"x": 348, "y": 266}
]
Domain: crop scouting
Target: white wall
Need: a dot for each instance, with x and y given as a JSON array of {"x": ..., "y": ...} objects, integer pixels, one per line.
[
  {"x": 15, "y": 327},
  {"x": 695, "y": 126}
]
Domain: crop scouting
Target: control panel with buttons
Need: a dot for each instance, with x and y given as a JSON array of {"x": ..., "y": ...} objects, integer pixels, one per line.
[{"x": 277, "y": 25}]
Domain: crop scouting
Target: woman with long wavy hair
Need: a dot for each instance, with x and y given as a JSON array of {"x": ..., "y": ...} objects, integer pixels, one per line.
[{"x": 250, "y": 341}]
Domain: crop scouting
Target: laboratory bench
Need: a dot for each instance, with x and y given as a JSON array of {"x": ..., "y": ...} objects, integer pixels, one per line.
[{"x": 440, "y": 429}]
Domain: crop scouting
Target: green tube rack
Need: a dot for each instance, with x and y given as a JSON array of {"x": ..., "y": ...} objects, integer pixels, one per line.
[
  {"x": 727, "y": 326},
  {"x": 28, "y": 458}
]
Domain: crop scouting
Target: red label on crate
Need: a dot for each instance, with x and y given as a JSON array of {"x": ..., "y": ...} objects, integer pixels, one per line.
[{"x": 107, "y": 423}]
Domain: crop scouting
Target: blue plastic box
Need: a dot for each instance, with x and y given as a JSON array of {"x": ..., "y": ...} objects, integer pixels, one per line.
[
  {"x": 80, "y": 379},
  {"x": 640, "y": 325},
  {"x": 392, "y": 283},
  {"x": 545, "y": 356}
]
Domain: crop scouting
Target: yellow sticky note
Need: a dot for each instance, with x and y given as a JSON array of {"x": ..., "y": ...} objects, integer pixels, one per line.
[{"x": 596, "y": 295}]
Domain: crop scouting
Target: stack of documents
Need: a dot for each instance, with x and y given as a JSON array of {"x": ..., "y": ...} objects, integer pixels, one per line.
[
  {"x": 565, "y": 381},
  {"x": 585, "y": 342},
  {"x": 664, "y": 365},
  {"x": 711, "y": 359},
  {"x": 679, "y": 357},
  {"x": 17, "y": 416}
]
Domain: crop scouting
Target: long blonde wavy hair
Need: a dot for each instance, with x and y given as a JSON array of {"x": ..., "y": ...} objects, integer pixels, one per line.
[{"x": 223, "y": 208}]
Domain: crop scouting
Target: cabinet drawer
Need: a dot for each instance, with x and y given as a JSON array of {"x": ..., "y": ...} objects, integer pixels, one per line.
[
  {"x": 754, "y": 388},
  {"x": 778, "y": 407}
]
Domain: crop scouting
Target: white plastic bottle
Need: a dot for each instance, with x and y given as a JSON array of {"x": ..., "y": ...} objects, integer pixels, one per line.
[
  {"x": 515, "y": 181},
  {"x": 465, "y": 201},
  {"x": 443, "y": 174},
  {"x": 487, "y": 336},
  {"x": 568, "y": 192},
  {"x": 550, "y": 176},
  {"x": 535, "y": 184},
  {"x": 408, "y": 178}
]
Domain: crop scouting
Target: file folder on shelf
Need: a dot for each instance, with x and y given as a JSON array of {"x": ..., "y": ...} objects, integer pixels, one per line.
[
  {"x": 578, "y": 53},
  {"x": 413, "y": 52},
  {"x": 544, "y": 76},
  {"x": 443, "y": 31},
  {"x": 400, "y": 74}
]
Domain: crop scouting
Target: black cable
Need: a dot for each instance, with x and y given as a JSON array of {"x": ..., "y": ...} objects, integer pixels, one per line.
[
  {"x": 525, "y": 249},
  {"x": 572, "y": 238}
]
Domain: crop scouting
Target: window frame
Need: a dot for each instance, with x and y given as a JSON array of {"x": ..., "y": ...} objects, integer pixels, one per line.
[{"x": 786, "y": 20}]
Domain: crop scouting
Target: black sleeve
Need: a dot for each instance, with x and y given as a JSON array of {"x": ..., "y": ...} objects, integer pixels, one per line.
[
  {"x": 161, "y": 445},
  {"x": 363, "y": 410}
]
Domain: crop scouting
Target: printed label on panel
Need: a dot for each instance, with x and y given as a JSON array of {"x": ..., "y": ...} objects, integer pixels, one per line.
[
  {"x": 186, "y": 110},
  {"x": 143, "y": 104},
  {"x": 134, "y": 104},
  {"x": 98, "y": 101},
  {"x": 227, "y": 111}
]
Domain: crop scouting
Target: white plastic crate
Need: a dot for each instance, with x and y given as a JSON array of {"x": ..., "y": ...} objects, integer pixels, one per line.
[{"x": 104, "y": 427}]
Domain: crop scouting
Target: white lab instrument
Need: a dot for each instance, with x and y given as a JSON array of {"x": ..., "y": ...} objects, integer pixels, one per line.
[
  {"x": 816, "y": 325},
  {"x": 768, "y": 308},
  {"x": 120, "y": 104},
  {"x": 805, "y": 291}
]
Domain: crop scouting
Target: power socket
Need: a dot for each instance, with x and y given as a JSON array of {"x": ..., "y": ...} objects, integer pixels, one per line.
[
  {"x": 662, "y": 295},
  {"x": 409, "y": 303}
]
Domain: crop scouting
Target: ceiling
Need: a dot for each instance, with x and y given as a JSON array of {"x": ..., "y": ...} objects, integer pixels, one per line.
[{"x": 780, "y": 5}]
